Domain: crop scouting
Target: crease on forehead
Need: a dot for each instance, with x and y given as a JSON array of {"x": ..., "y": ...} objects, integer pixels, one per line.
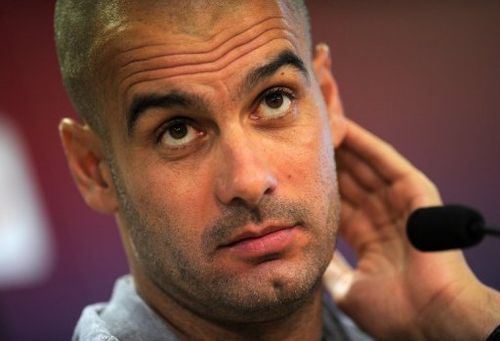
[
  {"x": 218, "y": 41},
  {"x": 169, "y": 65},
  {"x": 162, "y": 59}
]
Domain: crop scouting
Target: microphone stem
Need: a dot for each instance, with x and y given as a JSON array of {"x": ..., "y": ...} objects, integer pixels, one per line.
[{"x": 492, "y": 230}]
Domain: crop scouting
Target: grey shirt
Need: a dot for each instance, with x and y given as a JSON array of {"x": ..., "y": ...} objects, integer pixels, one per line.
[{"x": 127, "y": 317}]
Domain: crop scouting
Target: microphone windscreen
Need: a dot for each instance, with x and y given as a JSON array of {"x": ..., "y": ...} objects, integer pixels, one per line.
[{"x": 445, "y": 227}]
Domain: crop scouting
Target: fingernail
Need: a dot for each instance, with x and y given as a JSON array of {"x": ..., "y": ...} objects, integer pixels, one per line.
[{"x": 322, "y": 47}]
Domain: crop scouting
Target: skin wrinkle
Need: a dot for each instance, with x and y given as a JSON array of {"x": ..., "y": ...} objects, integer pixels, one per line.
[
  {"x": 253, "y": 77},
  {"x": 203, "y": 51},
  {"x": 168, "y": 74},
  {"x": 168, "y": 236},
  {"x": 208, "y": 67},
  {"x": 172, "y": 99},
  {"x": 176, "y": 206},
  {"x": 180, "y": 59},
  {"x": 285, "y": 59}
]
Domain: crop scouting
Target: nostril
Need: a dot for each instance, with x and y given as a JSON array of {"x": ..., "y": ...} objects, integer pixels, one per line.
[
  {"x": 238, "y": 202},
  {"x": 268, "y": 191}
]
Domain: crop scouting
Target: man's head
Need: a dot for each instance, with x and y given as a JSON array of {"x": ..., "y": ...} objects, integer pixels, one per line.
[
  {"x": 207, "y": 133},
  {"x": 79, "y": 28}
]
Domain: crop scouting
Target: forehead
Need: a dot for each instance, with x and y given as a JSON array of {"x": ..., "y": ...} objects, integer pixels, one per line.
[
  {"x": 195, "y": 20},
  {"x": 151, "y": 48}
]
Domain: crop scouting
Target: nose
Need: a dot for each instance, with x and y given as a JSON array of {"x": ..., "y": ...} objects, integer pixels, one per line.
[{"x": 244, "y": 174}]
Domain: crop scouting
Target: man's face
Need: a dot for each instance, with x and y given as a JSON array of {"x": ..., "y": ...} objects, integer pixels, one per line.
[{"x": 222, "y": 160}]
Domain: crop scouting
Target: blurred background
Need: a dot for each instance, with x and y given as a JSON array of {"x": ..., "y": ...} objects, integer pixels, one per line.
[{"x": 423, "y": 75}]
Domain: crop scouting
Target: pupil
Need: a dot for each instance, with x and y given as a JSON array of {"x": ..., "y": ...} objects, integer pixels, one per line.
[
  {"x": 178, "y": 131},
  {"x": 274, "y": 100}
]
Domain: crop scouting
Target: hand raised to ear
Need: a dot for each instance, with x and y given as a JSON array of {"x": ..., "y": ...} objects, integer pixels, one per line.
[{"x": 396, "y": 292}]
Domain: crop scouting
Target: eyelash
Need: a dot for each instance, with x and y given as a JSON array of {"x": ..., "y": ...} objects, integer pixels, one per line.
[
  {"x": 169, "y": 124},
  {"x": 284, "y": 91},
  {"x": 277, "y": 90},
  {"x": 288, "y": 99}
]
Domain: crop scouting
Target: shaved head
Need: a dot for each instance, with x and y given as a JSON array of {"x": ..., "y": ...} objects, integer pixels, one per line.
[
  {"x": 81, "y": 28},
  {"x": 210, "y": 142}
]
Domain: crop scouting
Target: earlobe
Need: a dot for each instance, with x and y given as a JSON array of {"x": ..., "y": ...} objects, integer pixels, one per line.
[
  {"x": 88, "y": 166},
  {"x": 322, "y": 68}
]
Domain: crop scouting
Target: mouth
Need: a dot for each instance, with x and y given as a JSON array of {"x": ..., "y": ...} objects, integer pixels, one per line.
[{"x": 257, "y": 242}]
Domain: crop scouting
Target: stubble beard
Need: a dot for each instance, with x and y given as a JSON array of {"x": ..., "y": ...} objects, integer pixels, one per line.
[{"x": 209, "y": 291}]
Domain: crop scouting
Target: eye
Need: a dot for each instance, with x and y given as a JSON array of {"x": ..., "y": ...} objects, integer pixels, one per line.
[
  {"x": 275, "y": 103},
  {"x": 178, "y": 133}
]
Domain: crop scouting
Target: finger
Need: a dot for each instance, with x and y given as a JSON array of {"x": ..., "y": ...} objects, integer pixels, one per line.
[
  {"x": 377, "y": 153},
  {"x": 364, "y": 218},
  {"x": 349, "y": 189},
  {"x": 347, "y": 212},
  {"x": 364, "y": 174},
  {"x": 373, "y": 204},
  {"x": 338, "y": 277},
  {"x": 356, "y": 228}
]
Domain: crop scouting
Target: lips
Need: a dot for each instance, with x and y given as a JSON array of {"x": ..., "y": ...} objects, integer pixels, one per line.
[{"x": 257, "y": 242}]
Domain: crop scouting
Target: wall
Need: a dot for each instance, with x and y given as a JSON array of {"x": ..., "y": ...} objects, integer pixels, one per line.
[{"x": 425, "y": 77}]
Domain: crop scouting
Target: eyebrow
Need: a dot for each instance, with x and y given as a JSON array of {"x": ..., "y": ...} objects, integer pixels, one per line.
[
  {"x": 141, "y": 103},
  {"x": 285, "y": 58},
  {"x": 175, "y": 98}
]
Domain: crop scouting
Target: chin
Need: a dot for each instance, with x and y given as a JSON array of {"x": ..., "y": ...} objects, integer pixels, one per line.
[{"x": 269, "y": 294}]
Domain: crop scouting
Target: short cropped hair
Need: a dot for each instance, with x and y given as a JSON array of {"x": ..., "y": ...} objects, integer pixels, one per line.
[{"x": 78, "y": 25}]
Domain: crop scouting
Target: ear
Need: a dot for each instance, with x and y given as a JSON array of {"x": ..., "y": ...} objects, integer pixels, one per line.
[
  {"x": 322, "y": 63},
  {"x": 88, "y": 166}
]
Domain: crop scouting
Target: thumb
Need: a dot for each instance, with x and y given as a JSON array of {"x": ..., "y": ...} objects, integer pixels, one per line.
[{"x": 338, "y": 277}]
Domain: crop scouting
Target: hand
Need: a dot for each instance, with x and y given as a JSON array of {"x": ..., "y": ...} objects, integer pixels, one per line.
[{"x": 396, "y": 292}]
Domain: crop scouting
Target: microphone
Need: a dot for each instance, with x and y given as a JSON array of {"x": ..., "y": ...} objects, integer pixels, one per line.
[{"x": 446, "y": 227}]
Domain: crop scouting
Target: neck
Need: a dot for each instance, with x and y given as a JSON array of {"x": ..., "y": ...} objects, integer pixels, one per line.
[{"x": 304, "y": 323}]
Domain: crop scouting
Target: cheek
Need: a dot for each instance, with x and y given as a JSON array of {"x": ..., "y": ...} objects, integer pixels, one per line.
[
  {"x": 170, "y": 202},
  {"x": 307, "y": 158},
  {"x": 309, "y": 175}
]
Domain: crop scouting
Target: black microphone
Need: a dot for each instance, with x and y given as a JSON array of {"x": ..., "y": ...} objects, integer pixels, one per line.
[{"x": 446, "y": 227}]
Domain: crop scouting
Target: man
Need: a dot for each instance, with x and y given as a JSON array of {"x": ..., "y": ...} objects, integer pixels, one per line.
[{"x": 209, "y": 131}]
